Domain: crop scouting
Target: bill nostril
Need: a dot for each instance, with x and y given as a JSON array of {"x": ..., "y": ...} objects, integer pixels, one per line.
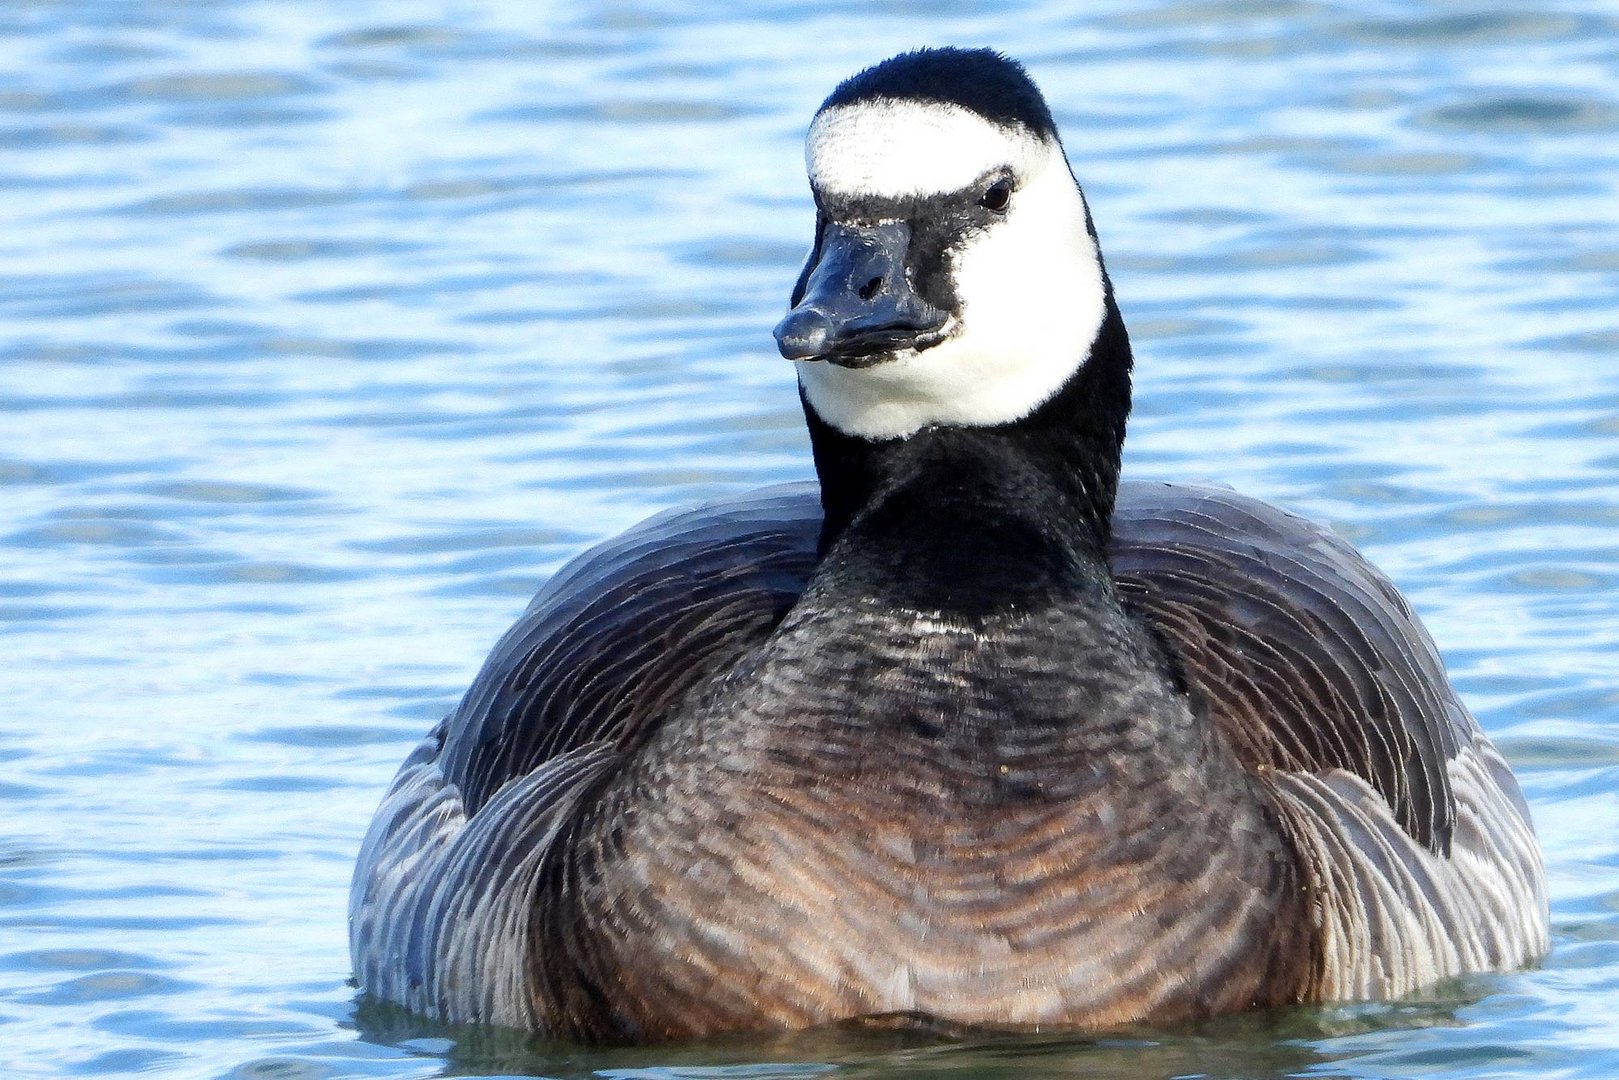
[{"x": 870, "y": 288}]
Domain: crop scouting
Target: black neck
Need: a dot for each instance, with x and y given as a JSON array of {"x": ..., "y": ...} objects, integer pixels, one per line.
[{"x": 1020, "y": 507}]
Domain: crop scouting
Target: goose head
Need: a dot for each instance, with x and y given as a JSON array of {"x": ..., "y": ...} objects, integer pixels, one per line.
[{"x": 955, "y": 278}]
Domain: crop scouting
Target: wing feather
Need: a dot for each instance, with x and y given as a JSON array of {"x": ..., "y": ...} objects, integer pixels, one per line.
[
  {"x": 619, "y": 636},
  {"x": 1305, "y": 658},
  {"x": 1300, "y": 651},
  {"x": 444, "y": 886},
  {"x": 1414, "y": 836}
]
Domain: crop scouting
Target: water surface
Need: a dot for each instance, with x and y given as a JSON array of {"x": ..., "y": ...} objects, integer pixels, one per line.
[{"x": 328, "y": 331}]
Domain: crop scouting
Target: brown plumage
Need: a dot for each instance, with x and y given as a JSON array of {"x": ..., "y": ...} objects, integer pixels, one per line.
[
  {"x": 969, "y": 732},
  {"x": 817, "y": 883}
]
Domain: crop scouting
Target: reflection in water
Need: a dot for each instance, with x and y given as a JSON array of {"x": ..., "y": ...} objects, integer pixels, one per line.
[{"x": 1254, "y": 1046}]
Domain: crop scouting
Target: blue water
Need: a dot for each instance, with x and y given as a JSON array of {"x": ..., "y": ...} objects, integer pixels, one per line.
[{"x": 327, "y": 331}]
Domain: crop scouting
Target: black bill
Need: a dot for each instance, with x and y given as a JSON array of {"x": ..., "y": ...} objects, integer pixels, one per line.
[{"x": 858, "y": 307}]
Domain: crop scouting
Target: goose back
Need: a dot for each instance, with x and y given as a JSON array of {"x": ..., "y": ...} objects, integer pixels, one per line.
[{"x": 1413, "y": 837}]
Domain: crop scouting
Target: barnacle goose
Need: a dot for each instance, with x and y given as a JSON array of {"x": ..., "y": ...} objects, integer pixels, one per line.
[{"x": 970, "y": 732}]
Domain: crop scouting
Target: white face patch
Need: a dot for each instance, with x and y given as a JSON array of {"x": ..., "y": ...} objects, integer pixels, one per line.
[
  {"x": 1029, "y": 284},
  {"x": 897, "y": 148}
]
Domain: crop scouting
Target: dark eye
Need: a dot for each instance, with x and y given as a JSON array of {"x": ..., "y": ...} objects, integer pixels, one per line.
[{"x": 997, "y": 196}]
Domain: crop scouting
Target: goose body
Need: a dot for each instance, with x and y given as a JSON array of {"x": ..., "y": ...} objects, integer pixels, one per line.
[{"x": 969, "y": 730}]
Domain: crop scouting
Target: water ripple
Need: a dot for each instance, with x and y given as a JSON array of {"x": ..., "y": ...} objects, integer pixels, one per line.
[{"x": 1541, "y": 114}]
